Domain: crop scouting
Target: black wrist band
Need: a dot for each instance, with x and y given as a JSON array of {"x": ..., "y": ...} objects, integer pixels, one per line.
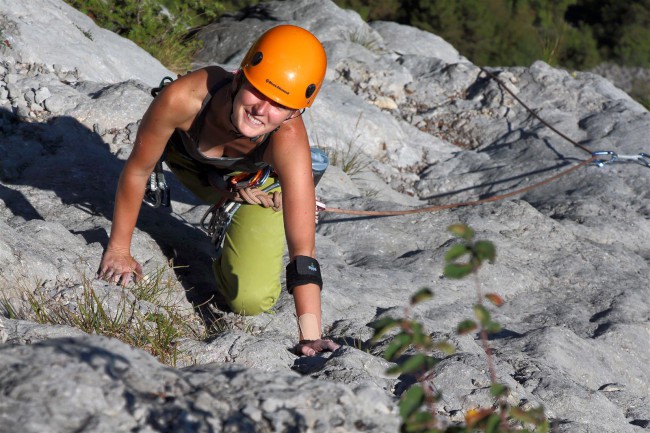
[{"x": 303, "y": 270}]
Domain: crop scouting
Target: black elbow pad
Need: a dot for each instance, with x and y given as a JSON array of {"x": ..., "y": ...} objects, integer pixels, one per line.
[{"x": 303, "y": 270}]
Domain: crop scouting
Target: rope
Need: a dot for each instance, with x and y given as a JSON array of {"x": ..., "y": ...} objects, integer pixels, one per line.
[
  {"x": 463, "y": 204},
  {"x": 530, "y": 110},
  {"x": 489, "y": 199},
  {"x": 252, "y": 195}
]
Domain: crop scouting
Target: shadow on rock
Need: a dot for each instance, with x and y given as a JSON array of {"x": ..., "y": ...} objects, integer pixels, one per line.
[{"x": 64, "y": 157}]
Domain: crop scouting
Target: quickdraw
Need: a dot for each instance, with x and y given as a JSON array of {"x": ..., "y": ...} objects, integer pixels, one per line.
[
  {"x": 217, "y": 218},
  {"x": 157, "y": 192},
  {"x": 612, "y": 157}
]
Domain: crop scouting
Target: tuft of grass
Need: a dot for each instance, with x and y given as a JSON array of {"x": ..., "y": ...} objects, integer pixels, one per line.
[
  {"x": 365, "y": 38},
  {"x": 349, "y": 157},
  {"x": 141, "y": 317}
]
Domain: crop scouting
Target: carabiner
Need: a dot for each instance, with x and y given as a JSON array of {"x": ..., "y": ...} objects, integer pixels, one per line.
[
  {"x": 157, "y": 192},
  {"x": 644, "y": 159},
  {"x": 613, "y": 157}
]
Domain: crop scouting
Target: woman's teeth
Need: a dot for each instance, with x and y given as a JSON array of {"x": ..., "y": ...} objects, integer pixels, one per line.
[{"x": 252, "y": 119}]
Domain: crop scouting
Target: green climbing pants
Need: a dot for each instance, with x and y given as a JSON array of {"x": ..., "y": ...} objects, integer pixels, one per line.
[{"x": 249, "y": 268}]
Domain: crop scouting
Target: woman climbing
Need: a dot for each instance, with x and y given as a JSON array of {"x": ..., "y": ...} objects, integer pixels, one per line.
[{"x": 213, "y": 126}]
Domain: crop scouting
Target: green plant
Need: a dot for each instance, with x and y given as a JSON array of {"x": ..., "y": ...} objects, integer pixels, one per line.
[
  {"x": 365, "y": 38},
  {"x": 86, "y": 33},
  {"x": 417, "y": 404},
  {"x": 349, "y": 157},
  {"x": 641, "y": 92},
  {"x": 165, "y": 28},
  {"x": 154, "y": 327}
]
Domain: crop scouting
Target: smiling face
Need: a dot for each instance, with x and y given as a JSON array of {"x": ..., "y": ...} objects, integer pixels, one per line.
[{"x": 254, "y": 114}]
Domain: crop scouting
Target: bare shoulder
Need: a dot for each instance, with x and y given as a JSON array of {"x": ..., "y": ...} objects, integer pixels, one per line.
[
  {"x": 291, "y": 131},
  {"x": 289, "y": 143},
  {"x": 184, "y": 96}
]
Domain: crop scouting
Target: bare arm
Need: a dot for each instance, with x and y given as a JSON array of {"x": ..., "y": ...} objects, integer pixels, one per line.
[
  {"x": 290, "y": 156},
  {"x": 172, "y": 108}
]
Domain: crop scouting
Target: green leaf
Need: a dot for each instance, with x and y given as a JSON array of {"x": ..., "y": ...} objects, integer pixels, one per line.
[
  {"x": 445, "y": 347},
  {"x": 411, "y": 401},
  {"x": 383, "y": 323},
  {"x": 493, "y": 327},
  {"x": 417, "y": 363},
  {"x": 492, "y": 425},
  {"x": 382, "y": 326},
  {"x": 421, "y": 295},
  {"x": 498, "y": 390},
  {"x": 397, "y": 346},
  {"x": 456, "y": 251},
  {"x": 534, "y": 416},
  {"x": 485, "y": 250},
  {"x": 466, "y": 326},
  {"x": 419, "y": 422},
  {"x": 462, "y": 231},
  {"x": 397, "y": 369},
  {"x": 420, "y": 338},
  {"x": 482, "y": 314},
  {"x": 458, "y": 271}
]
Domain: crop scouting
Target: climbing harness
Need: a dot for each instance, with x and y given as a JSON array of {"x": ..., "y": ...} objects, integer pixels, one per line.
[
  {"x": 219, "y": 216},
  {"x": 242, "y": 188},
  {"x": 595, "y": 158}
]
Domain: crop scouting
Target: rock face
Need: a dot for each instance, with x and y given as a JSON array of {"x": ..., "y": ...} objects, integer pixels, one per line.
[
  {"x": 53, "y": 33},
  {"x": 429, "y": 128}
]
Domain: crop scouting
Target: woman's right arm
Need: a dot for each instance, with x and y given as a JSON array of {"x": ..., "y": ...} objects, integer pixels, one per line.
[{"x": 172, "y": 108}]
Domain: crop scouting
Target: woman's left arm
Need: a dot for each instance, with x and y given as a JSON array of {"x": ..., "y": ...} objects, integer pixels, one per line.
[{"x": 290, "y": 156}]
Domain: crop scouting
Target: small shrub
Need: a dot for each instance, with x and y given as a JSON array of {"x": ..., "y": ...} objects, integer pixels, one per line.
[{"x": 417, "y": 404}]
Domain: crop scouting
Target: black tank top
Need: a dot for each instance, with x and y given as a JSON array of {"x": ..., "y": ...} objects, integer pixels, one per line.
[{"x": 186, "y": 145}]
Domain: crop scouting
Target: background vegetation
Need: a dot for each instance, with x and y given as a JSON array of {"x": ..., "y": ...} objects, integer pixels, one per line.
[
  {"x": 573, "y": 34},
  {"x": 164, "y": 28},
  {"x": 576, "y": 34}
]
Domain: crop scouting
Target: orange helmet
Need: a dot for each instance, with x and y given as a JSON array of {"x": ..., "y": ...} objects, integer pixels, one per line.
[{"x": 287, "y": 64}]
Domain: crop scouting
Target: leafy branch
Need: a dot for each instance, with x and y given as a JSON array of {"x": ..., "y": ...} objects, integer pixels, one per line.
[{"x": 417, "y": 405}]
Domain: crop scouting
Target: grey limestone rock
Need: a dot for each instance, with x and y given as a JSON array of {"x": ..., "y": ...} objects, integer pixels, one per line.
[
  {"x": 430, "y": 128},
  {"x": 52, "y": 32}
]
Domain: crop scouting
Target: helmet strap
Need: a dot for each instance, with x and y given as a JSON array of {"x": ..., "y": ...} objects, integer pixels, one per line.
[{"x": 233, "y": 94}]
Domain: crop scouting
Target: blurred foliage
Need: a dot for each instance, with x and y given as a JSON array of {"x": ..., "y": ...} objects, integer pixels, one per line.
[
  {"x": 577, "y": 34},
  {"x": 573, "y": 34},
  {"x": 162, "y": 27},
  {"x": 412, "y": 350}
]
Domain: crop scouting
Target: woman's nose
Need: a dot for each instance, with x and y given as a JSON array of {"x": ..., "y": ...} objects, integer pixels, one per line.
[{"x": 263, "y": 106}]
